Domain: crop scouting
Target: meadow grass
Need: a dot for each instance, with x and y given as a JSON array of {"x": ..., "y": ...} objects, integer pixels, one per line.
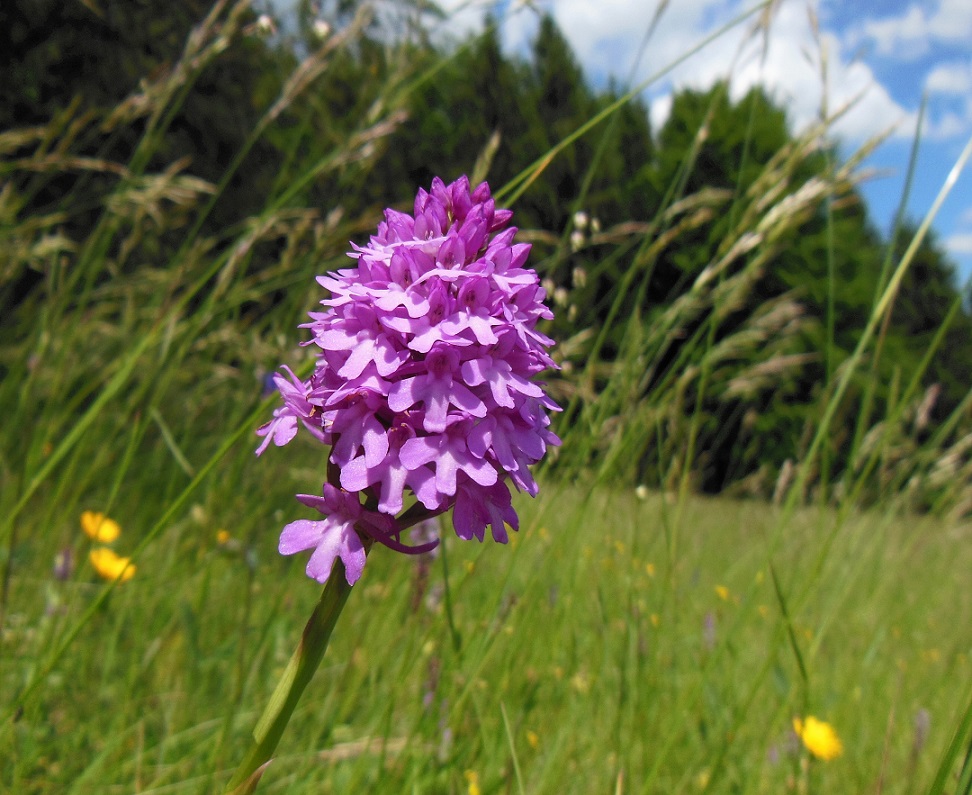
[
  {"x": 622, "y": 662},
  {"x": 626, "y": 641}
]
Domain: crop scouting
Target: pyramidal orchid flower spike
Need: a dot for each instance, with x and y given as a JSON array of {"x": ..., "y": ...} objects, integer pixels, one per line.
[
  {"x": 422, "y": 391},
  {"x": 422, "y": 387}
]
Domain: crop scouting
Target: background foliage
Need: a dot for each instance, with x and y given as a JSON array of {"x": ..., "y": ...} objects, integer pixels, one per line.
[{"x": 475, "y": 99}]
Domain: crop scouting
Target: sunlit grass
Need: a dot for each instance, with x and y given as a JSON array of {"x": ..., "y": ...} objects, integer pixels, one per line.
[{"x": 598, "y": 644}]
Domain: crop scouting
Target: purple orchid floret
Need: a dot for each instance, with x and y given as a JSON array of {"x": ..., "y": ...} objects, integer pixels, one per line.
[
  {"x": 333, "y": 538},
  {"x": 423, "y": 383}
]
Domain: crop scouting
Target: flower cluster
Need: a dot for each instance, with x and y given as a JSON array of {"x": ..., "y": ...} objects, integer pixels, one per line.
[
  {"x": 108, "y": 563},
  {"x": 422, "y": 383}
]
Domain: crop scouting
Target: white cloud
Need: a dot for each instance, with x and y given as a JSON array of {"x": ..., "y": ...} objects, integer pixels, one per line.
[
  {"x": 606, "y": 34},
  {"x": 952, "y": 22},
  {"x": 950, "y": 78},
  {"x": 606, "y": 37},
  {"x": 913, "y": 33},
  {"x": 950, "y": 112},
  {"x": 959, "y": 243},
  {"x": 945, "y": 126},
  {"x": 905, "y": 36},
  {"x": 793, "y": 71},
  {"x": 874, "y": 111}
]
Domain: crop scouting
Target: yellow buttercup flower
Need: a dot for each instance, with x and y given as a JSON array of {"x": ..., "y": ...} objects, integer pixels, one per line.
[
  {"x": 99, "y": 527},
  {"x": 722, "y": 592},
  {"x": 472, "y": 782},
  {"x": 223, "y": 537},
  {"x": 110, "y": 565},
  {"x": 819, "y": 737}
]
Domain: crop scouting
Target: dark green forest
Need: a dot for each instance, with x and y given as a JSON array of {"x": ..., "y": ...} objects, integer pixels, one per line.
[{"x": 624, "y": 220}]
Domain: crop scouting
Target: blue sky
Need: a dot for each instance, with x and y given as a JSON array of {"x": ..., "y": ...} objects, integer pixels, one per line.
[{"x": 888, "y": 53}]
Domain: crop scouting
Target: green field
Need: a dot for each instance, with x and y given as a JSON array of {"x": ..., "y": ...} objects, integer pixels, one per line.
[{"x": 617, "y": 644}]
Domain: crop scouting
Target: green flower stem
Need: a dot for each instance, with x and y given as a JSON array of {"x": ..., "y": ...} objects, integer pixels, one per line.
[{"x": 300, "y": 669}]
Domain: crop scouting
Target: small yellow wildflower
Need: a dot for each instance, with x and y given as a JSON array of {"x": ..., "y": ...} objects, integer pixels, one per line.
[
  {"x": 819, "y": 737},
  {"x": 99, "y": 527},
  {"x": 722, "y": 592},
  {"x": 109, "y": 565},
  {"x": 650, "y": 569},
  {"x": 472, "y": 781},
  {"x": 223, "y": 537},
  {"x": 655, "y": 620},
  {"x": 533, "y": 739}
]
